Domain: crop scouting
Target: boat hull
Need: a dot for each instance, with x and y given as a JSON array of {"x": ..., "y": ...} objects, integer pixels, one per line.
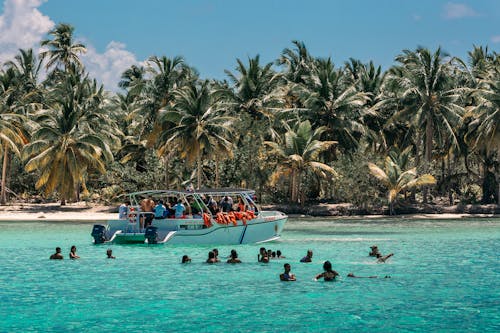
[{"x": 191, "y": 231}]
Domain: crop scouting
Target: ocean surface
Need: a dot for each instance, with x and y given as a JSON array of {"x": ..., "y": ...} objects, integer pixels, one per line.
[{"x": 444, "y": 276}]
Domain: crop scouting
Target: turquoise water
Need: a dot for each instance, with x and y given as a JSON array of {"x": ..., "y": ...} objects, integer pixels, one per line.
[{"x": 444, "y": 277}]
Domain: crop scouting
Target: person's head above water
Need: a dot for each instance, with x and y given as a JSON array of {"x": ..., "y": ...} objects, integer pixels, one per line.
[{"x": 327, "y": 266}]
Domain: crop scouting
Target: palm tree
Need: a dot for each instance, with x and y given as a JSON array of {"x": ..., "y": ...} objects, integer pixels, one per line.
[
  {"x": 298, "y": 154},
  {"x": 72, "y": 139},
  {"x": 200, "y": 127},
  {"x": 11, "y": 138},
  {"x": 254, "y": 99},
  {"x": 19, "y": 93},
  {"x": 253, "y": 87},
  {"x": 298, "y": 63},
  {"x": 483, "y": 133},
  {"x": 62, "y": 50},
  {"x": 426, "y": 97},
  {"x": 336, "y": 104},
  {"x": 368, "y": 79},
  {"x": 396, "y": 180}
]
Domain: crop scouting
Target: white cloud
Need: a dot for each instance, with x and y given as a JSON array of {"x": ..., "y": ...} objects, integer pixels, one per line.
[
  {"x": 22, "y": 25},
  {"x": 107, "y": 67},
  {"x": 495, "y": 39},
  {"x": 454, "y": 10}
]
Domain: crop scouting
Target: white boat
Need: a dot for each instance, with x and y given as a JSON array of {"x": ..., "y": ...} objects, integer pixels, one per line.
[{"x": 199, "y": 224}]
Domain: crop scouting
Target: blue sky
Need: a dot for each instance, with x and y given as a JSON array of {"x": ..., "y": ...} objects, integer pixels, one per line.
[{"x": 210, "y": 35}]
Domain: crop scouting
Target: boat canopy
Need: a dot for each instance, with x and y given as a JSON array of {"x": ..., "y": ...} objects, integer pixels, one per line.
[
  {"x": 197, "y": 195},
  {"x": 214, "y": 192}
]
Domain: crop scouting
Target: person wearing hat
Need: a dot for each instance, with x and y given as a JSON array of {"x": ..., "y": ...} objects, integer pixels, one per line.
[{"x": 374, "y": 252}]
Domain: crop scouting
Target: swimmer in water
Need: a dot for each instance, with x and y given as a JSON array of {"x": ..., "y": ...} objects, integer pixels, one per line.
[
  {"x": 186, "y": 259},
  {"x": 374, "y": 251},
  {"x": 57, "y": 255},
  {"x": 329, "y": 274},
  {"x": 287, "y": 276},
  {"x": 109, "y": 254},
  {"x": 72, "y": 253},
  {"x": 382, "y": 259},
  {"x": 234, "y": 258},
  {"x": 308, "y": 257}
]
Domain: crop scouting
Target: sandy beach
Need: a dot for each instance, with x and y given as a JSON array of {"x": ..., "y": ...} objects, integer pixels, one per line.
[
  {"x": 80, "y": 211},
  {"x": 86, "y": 212}
]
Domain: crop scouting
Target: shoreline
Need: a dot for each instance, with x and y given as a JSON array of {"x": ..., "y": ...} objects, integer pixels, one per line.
[{"x": 83, "y": 212}]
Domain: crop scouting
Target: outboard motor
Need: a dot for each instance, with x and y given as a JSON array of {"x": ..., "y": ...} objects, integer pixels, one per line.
[
  {"x": 99, "y": 233},
  {"x": 151, "y": 234}
]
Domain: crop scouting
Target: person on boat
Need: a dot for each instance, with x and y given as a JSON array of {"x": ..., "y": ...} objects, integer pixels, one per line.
[
  {"x": 179, "y": 209},
  {"x": 242, "y": 207},
  {"x": 382, "y": 259},
  {"x": 308, "y": 257},
  {"x": 213, "y": 208},
  {"x": 147, "y": 206},
  {"x": 226, "y": 206},
  {"x": 211, "y": 258},
  {"x": 278, "y": 255},
  {"x": 211, "y": 201},
  {"x": 286, "y": 275},
  {"x": 72, "y": 253},
  {"x": 168, "y": 210},
  {"x": 329, "y": 274},
  {"x": 57, "y": 255},
  {"x": 374, "y": 251},
  {"x": 123, "y": 210},
  {"x": 234, "y": 258},
  {"x": 160, "y": 210},
  {"x": 186, "y": 259},
  {"x": 109, "y": 254}
]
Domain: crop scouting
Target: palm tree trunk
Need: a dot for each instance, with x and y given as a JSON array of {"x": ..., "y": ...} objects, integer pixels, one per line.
[
  {"x": 216, "y": 171},
  {"x": 3, "y": 194},
  {"x": 428, "y": 152},
  {"x": 450, "y": 190},
  {"x": 300, "y": 195},
  {"x": 199, "y": 169},
  {"x": 165, "y": 164}
]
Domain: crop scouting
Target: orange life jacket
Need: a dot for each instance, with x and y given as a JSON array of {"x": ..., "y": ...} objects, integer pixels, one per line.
[
  {"x": 206, "y": 220},
  {"x": 232, "y": 218},
  {"x": 220, "y": 218},
  {"x": 241, "y": 216},
  {"x": 250, "y": 214}
]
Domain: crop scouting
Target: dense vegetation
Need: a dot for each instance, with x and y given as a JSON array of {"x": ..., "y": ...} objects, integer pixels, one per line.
[{"x": 297, "y": 130}]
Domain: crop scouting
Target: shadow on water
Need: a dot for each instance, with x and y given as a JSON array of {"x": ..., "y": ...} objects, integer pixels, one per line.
[
  {"x": 329, "y": 232},
  {"x": 312, "y": 231}
]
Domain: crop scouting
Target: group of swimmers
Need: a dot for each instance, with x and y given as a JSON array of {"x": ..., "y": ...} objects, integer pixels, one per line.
[
  {"x": 264, "y": 256},
  {"x": 72, "y": 254}
]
